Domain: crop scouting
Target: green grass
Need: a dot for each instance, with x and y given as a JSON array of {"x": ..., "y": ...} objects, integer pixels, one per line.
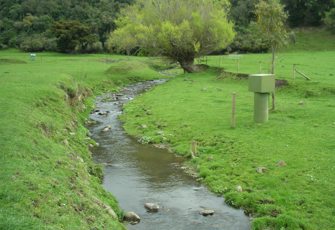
[
  {"x": 300, "y": 132},
  {"x": 47, "y": 177},
  {"x": 311, "y": 39}
]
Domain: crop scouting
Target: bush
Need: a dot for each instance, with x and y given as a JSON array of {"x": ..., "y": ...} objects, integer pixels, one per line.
[
  {"x": 94, "y": 47},
  {"x": 329, "y": 20},
  {"x": 50, "y": 44},
  {"x": 249, "y": 40},
  {"x": 36, "y": 43},
  {"x": 32, "y": 44},
  {"x": 3, "y": 46}
]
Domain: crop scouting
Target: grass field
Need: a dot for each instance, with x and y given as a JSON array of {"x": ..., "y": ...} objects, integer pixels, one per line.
[
  {"x": 47, "y": 177},
  {"x": 296, "y": 147}
]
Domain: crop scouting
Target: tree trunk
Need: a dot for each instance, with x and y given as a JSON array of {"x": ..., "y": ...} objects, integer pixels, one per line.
[
  {"x": 273, "y": 72},
  {"x": 187, "y": 64}
]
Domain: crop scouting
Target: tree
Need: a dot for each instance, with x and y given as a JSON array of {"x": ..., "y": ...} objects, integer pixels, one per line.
[
  {"x": 306, "y": 12},
  {"x": 243, "y": 12},
  {"x": 179, "y": 30},
  {"x": 73, "y": 34},
  {"x": 271, "y": 20},
  {"x": 22, "y": 22},
  {"x": 329, "y": 18}
]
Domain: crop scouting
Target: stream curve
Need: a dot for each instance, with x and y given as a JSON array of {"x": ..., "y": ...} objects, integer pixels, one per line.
[{"x": 137, "y": 174}]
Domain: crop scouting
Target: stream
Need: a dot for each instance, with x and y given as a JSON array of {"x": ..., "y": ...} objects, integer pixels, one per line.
[{"x": 137, "y": 174}]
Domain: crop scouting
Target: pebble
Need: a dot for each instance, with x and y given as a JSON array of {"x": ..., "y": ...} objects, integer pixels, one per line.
[
  {"x": 261, "y": 170},
  {"x": 151, "y": 207},
  {"x": 132, "y": 218},
  {"x": 207, "y": 212},
  {"x": 281, "y": 163}
]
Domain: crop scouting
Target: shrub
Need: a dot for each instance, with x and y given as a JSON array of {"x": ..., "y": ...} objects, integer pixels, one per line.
[
  {"x": 249, "y": 40},
  {"x": 329, "y": 20},
  {"x": 94, "y": 47},
  {"x": 32, "y": 44},
  {"x": 37, "y": 43}
]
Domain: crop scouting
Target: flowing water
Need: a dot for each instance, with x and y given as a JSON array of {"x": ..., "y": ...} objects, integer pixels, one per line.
[{"x": 137, "y": 174}]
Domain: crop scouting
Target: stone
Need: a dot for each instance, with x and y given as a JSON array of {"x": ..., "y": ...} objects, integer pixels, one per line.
[
  {"x": 210, "y": 158},
  {"x": 143, "y": 126},
  {"x": 66, "y": 142},
  {"x": 132, "y": 218},
  {"x": 160, "y": 132},
  {"x": 261, "y": 170},
  {"x": 151, "y": 207},
  {"x": 196, "y": 188},
  {"x": 281, "y": 163},
  {"x": 207, "y": 212},
  {"x": 103, "y": 113},
  {"x": 160, "y": 146},
  {"x": 239, "y": 188},
  {"x": 107, "y": 128}
]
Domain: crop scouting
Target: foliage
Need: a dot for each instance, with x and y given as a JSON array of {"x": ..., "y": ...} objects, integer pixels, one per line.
[
  {"x": 249, "y": 39},
  {"x": 329, "y": 19},
  {"x": 38, "y": 42},
  {"x": 73, "y": 35},
  {"x": 307, "y": 12},
  {"x": 22, "y": 20},
  {"x": 180, "y": 30},
  {"x": 271, "y": 20},
  {"x": 243, "y": 12},
  {"x": 300, "y": 13}
]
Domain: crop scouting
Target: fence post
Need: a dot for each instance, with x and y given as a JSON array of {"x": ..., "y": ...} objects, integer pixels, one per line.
[
  {"x": 194, "y": 149},
  {"x": 233, "y": 111}
]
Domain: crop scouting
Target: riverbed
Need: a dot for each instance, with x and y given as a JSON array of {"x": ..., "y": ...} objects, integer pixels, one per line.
[{"x": 137, "y": 174}]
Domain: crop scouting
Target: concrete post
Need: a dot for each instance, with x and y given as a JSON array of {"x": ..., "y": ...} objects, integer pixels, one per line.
[
  {"x": 262, "y": 85},
  {"x": 261, "y": 108}
]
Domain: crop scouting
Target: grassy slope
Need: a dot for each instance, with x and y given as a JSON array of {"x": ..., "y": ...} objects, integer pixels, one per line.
[
  {"x": 47, "y": 177},
  {"x": 300, "y": 132}
]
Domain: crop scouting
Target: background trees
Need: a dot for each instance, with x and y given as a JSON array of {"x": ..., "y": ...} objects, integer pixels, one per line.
[
  {"x": 27, "y": 24},
  {"x": 73, "y": 36},
  {"x": 179, "y": 30},
  {"x": 329, "y": 18},
  {"x": 307, "y": 12}
]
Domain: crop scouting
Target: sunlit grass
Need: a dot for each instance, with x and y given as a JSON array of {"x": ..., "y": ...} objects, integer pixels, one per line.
[
  {"x": 300, "y": 133},
  {"x": 47, "y": 177}
]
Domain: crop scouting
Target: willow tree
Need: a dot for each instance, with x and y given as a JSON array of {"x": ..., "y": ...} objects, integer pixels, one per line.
[
  {"x": 271, "y": 20},
  {"x": 179, "y": 30}
]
